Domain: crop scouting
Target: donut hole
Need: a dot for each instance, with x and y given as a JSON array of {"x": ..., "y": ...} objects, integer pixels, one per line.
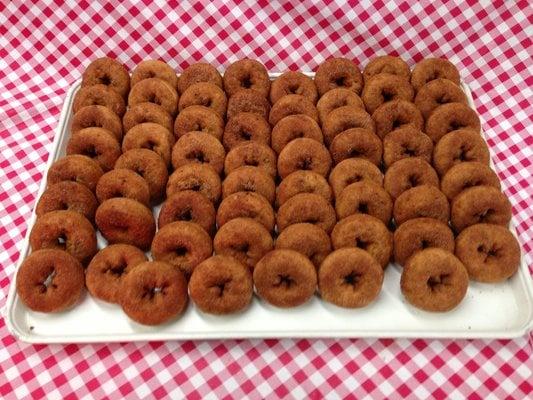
[
  {"x": 285, "y": 280},
  {"x": 246, "y": 135},
  {"x": 152, "y": 98},
  {"x": 352, "y": 279},
  {"x": 149, "y": 74},
  {"x": 62, "y": 206},
  {"x": 410, "y": 152},
  {"x": 149, "y": 144},
  {"x": 398, "y": 123},
  {"x": 241, "y": 247},
  {"x": 353, "y": 179},
  {"x": 181, "y": 251},
  {"x": 305, "y": 163},
  {"x": 436, "y": 281},
  {"x": 424, "y": 244},
  {"x": 185, "y": 215},
  {"x": 220, "y": 287},
  {"x": 362, "y": 208},
  {"x": 293, "y": 89},
  {"x": 462, "y": 154},
  {"x": 197, "y": 155},
  {"x": 485, "y": 215},
  {"x": 194, "y": 186},
  {"x": 251, "y": 162},
  {"x": 491, "y": 252},
  {"x": 361, "y": 244},
  {"x": 339, "y": 81},
  {"x": 298, "y": 134},
  {"x": 48, "y": 281},
  {"x": 150, "y": 292},
  {"x": 471, "y": 183},
  {"x": 442, "y": 99},
  {"x": 207, "y": 102},
  {"x": 353, "y": 153},
  {"x": 117, "y": 270},
  {"x": 246, "y": 82},
  {"x": 413, "y": 181},
  {"x": 61, "y": 241},
  {"x": 90, "y": 151},
  {"x": 455, "y": 125},
  {"x": 106, "y": 80},
  {"x": 388, "y": 95}
]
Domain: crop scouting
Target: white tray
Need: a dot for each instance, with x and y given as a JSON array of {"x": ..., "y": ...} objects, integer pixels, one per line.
[{"x": 488, "y": 311}]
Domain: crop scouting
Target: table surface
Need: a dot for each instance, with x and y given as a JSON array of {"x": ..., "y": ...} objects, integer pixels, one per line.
[{"x": 45, "y": 47}]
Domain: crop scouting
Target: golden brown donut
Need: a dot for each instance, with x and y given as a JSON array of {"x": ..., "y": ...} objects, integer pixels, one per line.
[
  {"x": 433, "y": 68},
  {"x": 353, "y": 170},
  {"x": 293, "y": 82},
  {"x": 66, "y": 195},
  {"x": 386, "y": 65},
  {"x": 156, "y": 91},
  {"x": 249, "y": 179},
  {"x": 246, "y": 127},
  {"x": 96, "y": 143},
  {"x": 450, "y": 117},
  {"x": 404, "y": 143},
  {"x": 304, "y": 154},
  {"x": 302, "y": 182},
  {"x": 246, "y": 74},
  {"x": 199, "y": 119},
  {"x": 188, "y": 206},
  {"x": 150, "y": 136},
  {"x": 364, "y": 197},
  {"x": 99, "y": 95},
  {"x": 251, "y": 154},
  {"x": 437, "y": 92},
  {"x": 338, "y": 73},
  {"x": 421, "y": 201},
  {"x": 306, "y": 207},
  {"x": 146, "y": 112},
  {"x": 204, "y": 94},
  {"x": 294, "y": 127},
  {"x": 467, "y": 174},
  {"x": 248, "y": 100},
  {"x": 383, "y": 88},
  {"x": 246, "y": 205},
  {"x": 356, "y": 143},
  {"x": 196, "y": 73},
  {"x": 344, "y": 118},
  {"x": 197, "y": 177},
  {"x": 408, "y": 173},
  {"x": 291, "y": 104},
  {"x": 337, "y": 98},
  {"x": 198, "y": 147},
  {"x": 154, "y": 69},
  {"x": 77, "y": 168},
  {"x": 122, "y": 182},
  {"x": 308, "y": 239},
  {"x": 109, "y": 72},
  {"x": 396, "y": 114},
  {"x": 97, "y": 117}
]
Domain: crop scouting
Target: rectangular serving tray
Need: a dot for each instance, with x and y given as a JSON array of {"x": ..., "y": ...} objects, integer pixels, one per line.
[{"x": 502, "y": 310}]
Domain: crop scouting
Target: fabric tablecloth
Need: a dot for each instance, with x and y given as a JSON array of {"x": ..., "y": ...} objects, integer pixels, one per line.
[{"x": 45, "y": 46}]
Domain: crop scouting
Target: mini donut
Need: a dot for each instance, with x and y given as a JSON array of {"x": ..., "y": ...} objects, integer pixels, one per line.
[
  {"x": 197, "y": 147},
  {"x": 248, "y": 100},
  {"x": 183, "y": 245},
  {"x": 67, "y": 195},
  {"x": 147, "y": 112},
  {"x": 109, "y": 72},
  {"x": 122, "y": 182},
  {"x": 204, "y": 94},
  {"x": 97, "y": 117},
  {"x": 77, "y": 168},
  {"x": 430, "y": 69},
  {"x": 96, "y": 143},
  {"x": 292, "y": 104},
  {"x": 489, "y": 252},
  {"x": 450, "y": 117},
  {"x": 196, "y": 177},
  {"x": 50, "y": 280},
  {"x": 420, "y": 233},
  {"x": 421, "y": 201},
  {"x": 293, "y": 82},
  {"x": 307, "y": 239},
  {"x": 251, "y": 154},
  {"x": 338, "y": 73},
  {"x": 386, "y": 65},
  {"x": 344, "y": 118},
  {"x": 353, "y": 170},
  {"x": 408, "y": 173},
  {"x": 404, "y": 143},
  {"x": 65, "y": 230},
  {"x": 246, "y": 205},
  {"x": 457, "y": 147},
  {"x": 249, "y": 179},
  {"x": 154, "y": 293},
  {"x": 364, "y": 197},
  {"x": 150, "y": 136},
  {"x": 123, "y": 220},
  {"x": 99, "y": 95},
  {"x": 294, "y": 127},
  {"x": 246, "y": 127},
  {"x": 246, "y": 74},
  {"x": 480, "y": 204},
  {"x": 306, "y": 208},
  {"x": 356, "y": 143},
  {"x": 199, "y": 119},
  {"x": 366, "y": 233},
  {"x": 285, "y": 278},
  {"x": 189, "y": 206},
  {"x": 244, "y": 239},
  {"x": 196, "y": 73},
  {"x": 109, "y": 267},
  {"x": 156, "y": 91},
  {"x": 337, "y": 98},
  {"x": 150, "y": 166},
  {"x": 467, "y": 174},
  {"x": 434, "y": 280},
  {"x": 221, "y": 285},
  {"x": 383, "y": 88},
  {"x": 304, "y": 154},
  {"x": 396, "y": 114},
  {"x": 154, "y": 69},
  {"x": 436, "y": 93},
  {"x": 302, "y": 182}
]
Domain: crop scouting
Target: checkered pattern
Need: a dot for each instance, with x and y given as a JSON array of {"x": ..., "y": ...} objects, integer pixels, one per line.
[{"x": 45, "y": 46}]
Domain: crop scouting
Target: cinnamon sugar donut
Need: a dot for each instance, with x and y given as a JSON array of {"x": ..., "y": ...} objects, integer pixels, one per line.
[
  {"x": 122, "y": 182},
  {"x": 197, "y": 147},
  {"x": 249, "y": 179},
  {"x": 386, "y": 65},
  {"x": 246, "y": 74},
  {"x": 421, "y": 201},
  {"x": 294, "y": 127},
  {"x": 188, "y": 206},
  {"x": 157, "y": 91},
  {"x": 433, "y": 68},
  {"x": 408, "y": 173},
  {"x": 97, "y": 117},
  {"x": 396, "y": 114},
  {"x": 154, "y": 69},
  {"x": 302, "y": 182},
  {"x": 204, "y": 94},
  {"x": 308, "y": 239},
  {"x": 293, "y": 82},
  {"x": 306, "y": 208},
  {"x": 248, "y": 100},
  {"x": 364, "y": 197},
  {"x": 353, "y": 170},
  {"x": 146, "y": 112},
  {"x": 344, "y": 118},
  {"x": 246, "y": 205},
  {"x": 150, "y": 136},
  {"x": 251, "y": 154},
  {"x": 337, "y": 98},
  {"x": 96, "y": 143},
  {"x": 196, "y": 73},
  {"x": 304, "y": 154},
  {"x": 404, "y": 143},
  {"x": 356, "y": 143},
  {"x": 383, "y": 88},
  {"x": 467, "y": 174},
  {"x": 77, "y": 168},
  {"x": 108, "y": 72},
  {"x": 99, "y": 95},
  {"x": 67, "y": 195},
  {"x": 436, "y": 93},
  {"x": 450, "y": 117},
  {"x": 246, "y": 127},
  {"x": 292, "y": 104},
  {"x": 199, "y": 119},
  {"x": 197, "y": 177},
  {"x": 338, "y": 73}
]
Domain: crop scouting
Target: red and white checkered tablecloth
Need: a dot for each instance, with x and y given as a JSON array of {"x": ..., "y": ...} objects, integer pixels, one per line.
[{"x": 45, "y": 46}]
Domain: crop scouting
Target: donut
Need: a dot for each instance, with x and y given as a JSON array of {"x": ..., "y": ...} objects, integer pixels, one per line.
[
  {"x": 154, "y": 69},
  {"x": 459, "y": 146},
  {"x": 197, "y": 177},
  {"x": 308, "y": 239},
  {"x": 97, "y": 117},
  {"x": 404, "y": 143},
  {"x": 77, "y": 168},
  {"x": 50, "y": 280},
  {"x": 199, "y": 119},
  {"x": 436, "y": 93},
  {"x": 383, "y": 88},
  {"x": 66, "y": 195},
  {"x": 204, "y": 94},
  {"x": 302, "y": 182},
  {"x": 451, "y": 117},
  {"x": 108, "y": 72},
  {"x": 244, "y": 239},
  {"x": 420, "y": 233},
  {"x": 306, "y": 208},
  {"x": 246, "y": 205},
  {"x": 285, "y": 278},
  {"x": 148, "y": 165},
  {"x": 99, "y": 95},
  {"x": 246, "y": 74},
  {"x": 336, "y": 98},
  {"x": 294, "y": 127},
  {"x": 251, "y": 154},
  {"x": 150, "y": 136},
  {"x": 489, "y": 252},
  {"x": 196, "y": 73},
  {"x": 108, "y": 268},
  {"x": 154, "y": 293},
  {"x": 421, "y": 201},
  {"x": 123, "y": 182},
  {"x": 364, "y": 197},
  {"x": 146, "y": 112},
  {"x": 156, "y": 91},
  {"x": 183, "y": 245},
  {"x": 246, "y": 127},
  {"x": 408, "y": 173},
  {"x": 434, "y": 280},
  {"x": 467, "y": 174},
  {"x": 250, "y": 101},
  {"x": 293, "y": 82},
  {"x": 338, "y": 73},
  {"x": 304, "y": 154},
  {"x": 396, "y": 114},
  {"x": 353, "y": 170},
  {"x": 344, "y": 118},
  {"x": 123, "y": 220},
  {"x": 221, "y": 285},
  {"x": 356, "y": 143},
  {"x": 198, "y": 148},
  {"x": 188, "y": 206},
  {"x": 65, "y": 230},
  {"x": 366, "y": 233},
  {"x": 430, "y": 69},
  {"x": 292, "y": 104},
  {"x": 480, "y": 204},
  {"x": 96, "y": 143},
  {"x": 249, "y": 179},
  {"x": 386, "y": 65}
]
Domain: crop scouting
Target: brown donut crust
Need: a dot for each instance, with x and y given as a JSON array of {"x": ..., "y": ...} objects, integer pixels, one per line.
[
  {"x": 154, "y": 69},
  {"x": 67, "y": 195},
  {"x": 404, "y": 143},
  {"x": 109, "y": 72},
  {"x": 383, "y": 88},
  {"x": 304, "y": 154},
  {"x": 188, "y": 206},
  {"x": 99, "y": 95},
  {"x": 246, "y": 74},
  {"x": 246, "y": 205},
  {"x": 147, "y": 112},
  {"x": 408, "y": 173},
  {"x": 356, "y": 143},
  {"x": 294, "y": 127},
  {"x": 196, "y": 73},
  {"x": 387, "y": 65},
  {"x": 77, "y": 168},
  {"x": 467, "y": 174},
  {"x": 396, "y": 114},
  {"x": 438, "y": 92},
  {"x": 421, "y": 201},
  {"x": 246, "y": 127},
  {"x": 364, "y": 197},
  {"x": 96, "y": 143},
  {"x": 292, "y": 104},
  {"x": 248, "y": 100},
  {"x": 97, "y": 117},
  {"x": 344, "y": 118},
  {"x": 197, "y": 177},
  {"x": 338, "y": 73},
  {"x": 336, "y": 98},
  {"x": 302, "y": 182},
  {"x": 306, "y": 208},
  {"x": 204, "y": 94},
  {"x": 157, "y": 91},
  {"x": 122, "y": 182},
  {"x": 307, "y": 239},
  {"x": 249, "y": 179},
  {"x": 150, "y": 136},
  {"x": 251, "y": 154},
  {"x": 450, "y": 117},
  {"x": 199, "y": 119},
  {"x": 353, "y": 170},
  {"x": 433, "y": 68},
  {"x": 293, "y": 82},
  {"x": 198, "y": 148}
]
